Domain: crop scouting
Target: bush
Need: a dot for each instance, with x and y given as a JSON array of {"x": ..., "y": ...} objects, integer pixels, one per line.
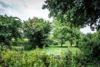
[
  {"x": 38, "y": 59},
  {"x": 90, "y": 46},
  {"x": 20, "y": 59}
]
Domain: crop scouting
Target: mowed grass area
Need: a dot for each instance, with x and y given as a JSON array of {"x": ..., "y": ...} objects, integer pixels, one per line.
[
  {"x": 57, "y": 50},
  {"x": 60, "y": 50},
  {"x": 52, "y": 49}
]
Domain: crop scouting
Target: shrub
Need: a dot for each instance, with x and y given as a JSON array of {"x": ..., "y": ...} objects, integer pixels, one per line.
[
  {"x": 90, "y": 46},
  {"x": 39, "y": 59}
]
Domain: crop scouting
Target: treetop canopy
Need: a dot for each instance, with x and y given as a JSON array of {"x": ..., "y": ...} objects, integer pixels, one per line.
[{"x": 78, "y": 12}]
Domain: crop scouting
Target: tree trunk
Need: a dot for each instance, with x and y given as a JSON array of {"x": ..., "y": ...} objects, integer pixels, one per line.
[
  {"x": 71, "y": 42},
  {"x": 61, "y": 42},
  {"x": 71, "y": 35}
]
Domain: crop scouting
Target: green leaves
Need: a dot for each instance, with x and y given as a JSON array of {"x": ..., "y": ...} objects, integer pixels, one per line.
[
  {"x": 37, "y": 30},
  {"x": 9, "y": 28},
  {"x": 63, "y": 32},
  {"x": 78, "y": 12},
  {"x": 90, "y": 44}
]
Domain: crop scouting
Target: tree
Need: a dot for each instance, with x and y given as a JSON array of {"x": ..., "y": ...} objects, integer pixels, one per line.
[
  {"x": 37, "y": 30},
  {"x": 90, "y": 46},
  {"x": 10, "y": 27},
  {"x": 78, "y": 12},
  {"x": 63, "y": 32},
  {"x": 60, "y": 34}
]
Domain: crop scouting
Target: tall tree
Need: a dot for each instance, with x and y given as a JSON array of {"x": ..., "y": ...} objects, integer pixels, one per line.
[
  {"x": 10, "y": 27},
  {"x": 37, "y": 30},
  {"x": 78, "y": 12},
  {"x": 63, "y": 32}
]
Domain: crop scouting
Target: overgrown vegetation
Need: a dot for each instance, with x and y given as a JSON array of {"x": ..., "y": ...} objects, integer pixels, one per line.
[
  {"x": 22, "y": 42},
  {"x": 37, "y": 31},
  {"x": 38, "y": 59}
]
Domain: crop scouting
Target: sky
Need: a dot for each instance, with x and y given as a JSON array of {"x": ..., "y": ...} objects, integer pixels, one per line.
[
  {"x": 27, "y": 8},
  {"x": 23, "y": 8}
]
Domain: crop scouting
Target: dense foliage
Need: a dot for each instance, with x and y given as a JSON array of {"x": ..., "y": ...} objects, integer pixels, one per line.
[
  {"x": 78, "y": 12},
  {"x": 10, "y": 28},
  {"x": 63, "y": 32},
  {"x": 90, "y": 45},
  {"x": 68, "y": 17},
  {"x": 39, "y": 59},
  {"x": 37, "y": 30}
]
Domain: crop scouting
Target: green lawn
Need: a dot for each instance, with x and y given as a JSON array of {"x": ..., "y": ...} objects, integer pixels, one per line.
[
  {"x": 57, "y": 50},
  {"x": 52, "y": 49},
  {"x": 60, "y": 50}
]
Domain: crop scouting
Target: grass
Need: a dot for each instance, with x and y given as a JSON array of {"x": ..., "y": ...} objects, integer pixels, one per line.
[
  {"x": 57, "y": 50},
  {"x": 60, "y": 50},
  {"x": 52, "y": 49}
]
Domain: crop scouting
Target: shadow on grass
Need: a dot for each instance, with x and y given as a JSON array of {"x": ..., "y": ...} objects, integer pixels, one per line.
[{"x": 60, "y": 46}]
